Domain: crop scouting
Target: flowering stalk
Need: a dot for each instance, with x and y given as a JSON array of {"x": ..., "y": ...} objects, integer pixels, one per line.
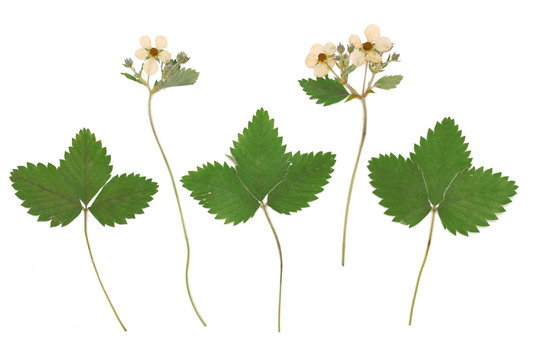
[
  {"x": 329, "y": 91},
  {"x": 172, "y": 74}
]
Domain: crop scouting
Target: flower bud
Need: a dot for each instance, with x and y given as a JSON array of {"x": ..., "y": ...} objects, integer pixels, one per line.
[
  {"x": 128, "y": 63},
  {"x": 340, "y": 48},
  {"x": 182, "y": 58}
]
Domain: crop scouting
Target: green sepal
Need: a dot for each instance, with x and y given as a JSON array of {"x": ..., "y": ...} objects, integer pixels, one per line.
[{"x": 325, "y": 90}]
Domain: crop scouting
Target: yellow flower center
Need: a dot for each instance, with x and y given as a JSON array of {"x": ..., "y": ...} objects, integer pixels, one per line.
[
  {"x": 322, "y": 57},
  {"x": 367, "y": 46},
  {"x": 153, "y": 52}
]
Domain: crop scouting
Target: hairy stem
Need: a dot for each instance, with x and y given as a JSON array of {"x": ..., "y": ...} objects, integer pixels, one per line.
[
  {"x": 177, "y": 202},
  {"x": 433, "y": 211},
  {"x": 95, "y": 268},
  {"x": 263, "y": 206},
  {"x": 364, "y": 131}
]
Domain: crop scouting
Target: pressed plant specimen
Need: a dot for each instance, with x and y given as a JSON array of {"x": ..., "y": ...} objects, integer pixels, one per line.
[
  {"x": 263, "y": 174},
  {"x": 328, "y": 91},
  {"x": 158, "y": 60},
  {"x": 82, "y": 182},
  {"x": 438, "y": 178}
]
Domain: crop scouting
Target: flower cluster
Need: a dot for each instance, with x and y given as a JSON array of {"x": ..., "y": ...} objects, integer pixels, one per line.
[
  {"x": 322, "y": 59},
  {"x": 155, "y": 58}
]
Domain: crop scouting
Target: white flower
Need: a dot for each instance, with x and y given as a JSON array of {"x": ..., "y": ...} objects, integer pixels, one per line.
[
  {"x": 372, "y": 49},
  {"x": 321, "y": 59},
  {"x": 149, "y": 53}
]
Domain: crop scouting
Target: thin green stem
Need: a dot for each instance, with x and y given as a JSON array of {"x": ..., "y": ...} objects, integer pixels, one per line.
[
  {"x": 364, "y": 131},
  {"x": 95, "y": 268},
  {"x": 263, "y": 206},
  {"x": 433, "y": 211},
  {"x": 365, "y": 76},
  {"x": 177, "y": 202}
]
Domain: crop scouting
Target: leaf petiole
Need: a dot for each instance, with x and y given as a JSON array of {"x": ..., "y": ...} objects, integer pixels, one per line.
[
  {"x": 433, "y": 212},
  {"x": 95, "y": 268},
  {"x": 263, "y": 206}
]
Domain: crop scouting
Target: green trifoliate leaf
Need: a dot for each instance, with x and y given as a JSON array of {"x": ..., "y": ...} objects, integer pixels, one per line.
[
  {"x": 122, "y": 198},
  {"x": 438, "y": 176},
  {"x": 261, "y": 167},
  {"x": 474, "y": 197},
  {"x": 181, "y": 77},
  {"x": 218, "y": 188},
  {"x": 59, "y": 194},
  {"x": 86, "y": 167},
  {"x": 261, "y": 161},
  {"x": 325, "y": 90},
  {"x": 306, "y": 177},
  {"x": 388, "y": 82},
  {"x": 441, "y": 156},
  {"x": 46, "y": 193},
  {"x": 398, "y": 182}
]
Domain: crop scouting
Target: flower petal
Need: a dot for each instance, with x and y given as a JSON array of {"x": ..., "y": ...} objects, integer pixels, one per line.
[
  {"x": 145, "y": 42},
  {"x": 321, "y": 70},
  {"x": 164, "y": 56},
  {"x": 316, "y": 49},
  {"x": 358, "y": 58},
  {"x": 355, "y": 40},
  {"x": 161, "y": 42},
  {"x": 331, "y": 62},
  {"x": 141, "y": 53},
  {"x": 329, "y": 48},
  {"x": 373, "y": 57},
  {"x": 311, "y": 61},
  {"x": 150, "y": 67},
  {"x": 373, "y": 32},
  {"x": 383, "y": 44}
]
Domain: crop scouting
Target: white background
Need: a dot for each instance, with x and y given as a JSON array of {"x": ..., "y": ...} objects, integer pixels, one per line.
[{"x": 480, "y": 295}]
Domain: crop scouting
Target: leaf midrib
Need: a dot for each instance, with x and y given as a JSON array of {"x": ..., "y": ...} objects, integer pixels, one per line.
[{"x": 71, "y": 200}]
